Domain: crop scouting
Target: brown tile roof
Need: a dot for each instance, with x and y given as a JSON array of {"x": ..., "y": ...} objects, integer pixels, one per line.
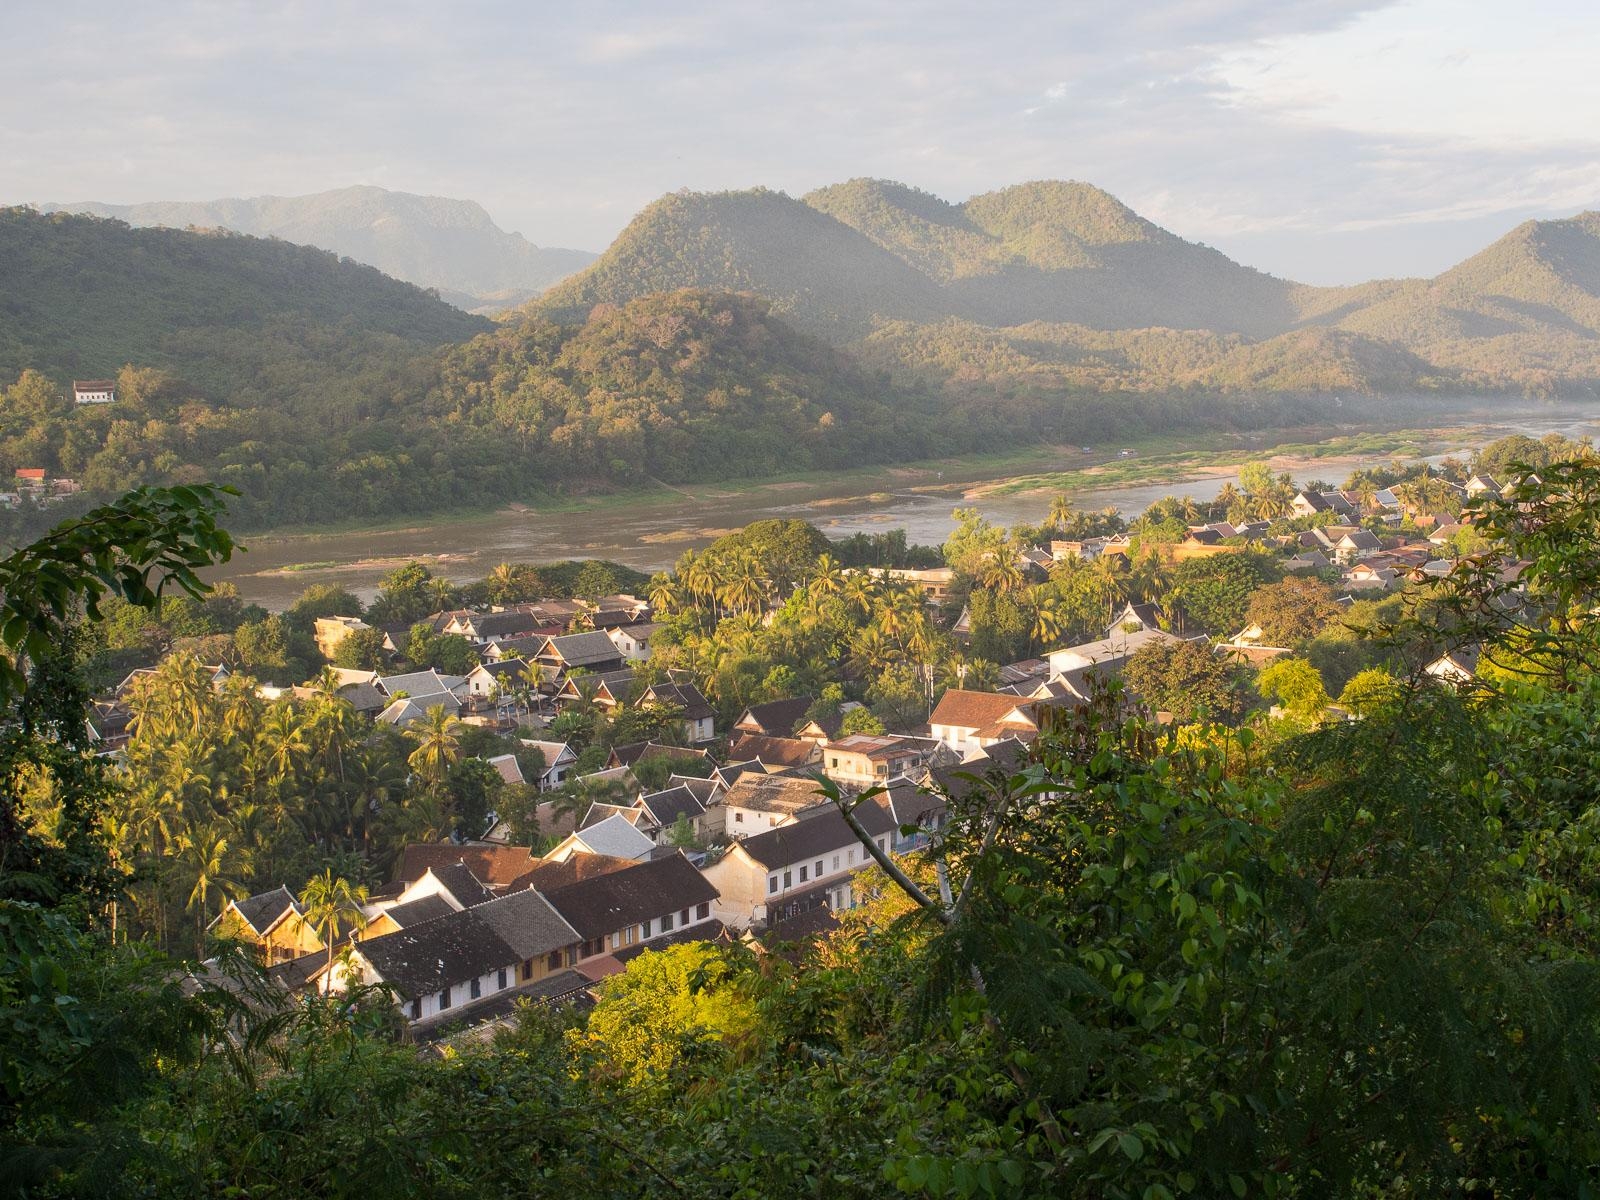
[
  {"x": 496, "y": 866},
  {"x": 773, "y": 751},
  {"x": 776, "y": 718},
  {"x": 973, "y": 710},
  {"x": 814, "y": 835},
  {"x": 552, "y": 877},
  {"x": 773, "y": 793}
]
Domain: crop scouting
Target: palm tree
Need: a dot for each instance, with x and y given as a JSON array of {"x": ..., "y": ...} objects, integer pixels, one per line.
[
  {"x": 1061, "y": 513},
  {"x": 828, "y": 577},
  {"x": 1047, "y": 622},
  {"x": 283, "y": 736},
  {"x": 745, "y": 589},
  {"x": 332, "y": 904},
  {"x": 665, "y": 594},
  {"x": 438, "y": 736},
  {"x": 1227, "y": 497},
  {"x": 871, "y": 651},
  {"x": 203, "y": 856},
  {"x": 1001, "y": 574}
]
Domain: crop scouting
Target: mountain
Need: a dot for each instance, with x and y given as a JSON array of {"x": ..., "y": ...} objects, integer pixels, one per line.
[
  {"x": 434, "y": 242},
  {"x": 860, "y": 262},
  {"x": 82, "y": 296},
  {"x": 816, "y": 271},
  {"x": 844, "y": 257}
]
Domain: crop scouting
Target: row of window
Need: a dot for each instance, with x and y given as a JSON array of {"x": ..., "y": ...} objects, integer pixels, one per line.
[
  {"x": 588, "y": 949},
  {"x": 814, "y": 871}
]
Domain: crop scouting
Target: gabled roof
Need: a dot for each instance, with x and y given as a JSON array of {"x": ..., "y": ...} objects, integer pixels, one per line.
[
  {"x": 635, "y": 752},
  {"x": 419, "y": 683},
  {"x": 615, "y": 836},
  {"x": 528, "y": 923},
  {"x": 504, "y": 668},
  {"x": 580, "y": 649},
  {"x": 610, "y": 902},
  {"x": 265, "y": 909},
  {"x": 363, "y": 697},
  {"x": 496, "y": 866},
  {"x": 508, "y": 766},
  {"x": 777, "y": 718},
  {"x": 554, "y": 752},
  {"x": 457, "y": 879},
  {"x": 415, "y": 912},
  {"x": 909, "y": 805},
  {"x": 551, "y": 877},
  {"x": 665, "y": 806},
  {"x": 415, "y": 708},
  {"x": 682, "y": 695},
  {"x": 823, "y": 832},
  {"x": 961, "y": 709},
  {"x": 705, "y": 790},
  {"x": 429, "y": 957},
  {"x": 773, "y": 793},
  {"x": 501, "y": 624},
  {"x": 773, "y": 751}
]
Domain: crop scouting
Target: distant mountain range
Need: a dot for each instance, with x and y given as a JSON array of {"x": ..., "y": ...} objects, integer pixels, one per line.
[
  {"x": 1049, "y": 269},
  {"x": 450, "y": 245}
]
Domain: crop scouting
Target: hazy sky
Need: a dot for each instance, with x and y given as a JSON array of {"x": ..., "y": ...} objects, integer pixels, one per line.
[{"x": 1328, "y": 141}]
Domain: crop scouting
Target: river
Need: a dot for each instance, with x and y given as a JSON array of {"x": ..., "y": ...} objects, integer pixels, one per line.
[{"x": 650, "y": 534}]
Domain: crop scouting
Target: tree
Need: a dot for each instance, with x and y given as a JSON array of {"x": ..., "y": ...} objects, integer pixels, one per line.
[
  {"x": 334, "y": 908},
  {"x": 1214, "y": 592},
  {"x": 1188, "y": 680},
  {"x": 473, "y": 789},
  {"x": 1292, "y": 610},
  {"x": 860, "y": 720},
  {"x": 1371, "y": 691},
  {"x": 1295, "y": 685},
  {"x": 671, "y": 1012},
  {"x": 361, "y": 650},
  {"x": 438, "y": 738}
]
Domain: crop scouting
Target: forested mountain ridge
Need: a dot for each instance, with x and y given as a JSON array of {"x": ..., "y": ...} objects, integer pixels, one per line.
[
  {"x": 432, "y": 241},
  {"x": 1524, "y": 314},
  {"x": 80, "y": 296}
]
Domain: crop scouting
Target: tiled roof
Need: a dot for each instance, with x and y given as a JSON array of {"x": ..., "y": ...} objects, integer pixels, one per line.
[
  {"x": 773, "y": 793},
  {"x": 550, "y": 878},
  {"x": 496, "y": 866},
  {"x": 428, "y": 957},
  {"x": 773, "y": 751},
  {"x": 962, "y": 709},
  {"x": 615, "y": 836},
  {"x": 582, "y": 649},
  {"x": 457, "y": 879},
  {"x": 666, "y": 805},
  {"x": 528, "y": 924},
  {"x": 262, "y": 911},
  {"x": 417, "y": 911},
  {"x": 621, "y": 898},
  {"x": 776, "y": 718},
  {"x": 814, "y": 835},
  {"x": 685, "y": 696}
]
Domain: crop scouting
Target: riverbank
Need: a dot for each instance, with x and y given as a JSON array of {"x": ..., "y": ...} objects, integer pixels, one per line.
[{"x": 648, "y": 528}]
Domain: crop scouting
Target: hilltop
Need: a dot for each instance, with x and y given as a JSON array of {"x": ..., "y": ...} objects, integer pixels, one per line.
[
  {"x": 857, "y": 262},
  {"x": 450, "y": 245},
  {"x": 83, "y": 296}
]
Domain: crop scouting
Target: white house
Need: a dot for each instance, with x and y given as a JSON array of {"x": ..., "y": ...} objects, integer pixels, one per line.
[
  {"x": 94, "y": 391},
  {"x": 801, "y": 865},
  {"x": 967, "y": 721},
  {"x": 633, "y": 640}
]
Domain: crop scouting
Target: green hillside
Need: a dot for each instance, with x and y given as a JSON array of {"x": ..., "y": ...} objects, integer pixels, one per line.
[
  {"x": 814, "y": 270},
  {"x": 82, "y": 297},
  {"x": 431, "y": 241}
]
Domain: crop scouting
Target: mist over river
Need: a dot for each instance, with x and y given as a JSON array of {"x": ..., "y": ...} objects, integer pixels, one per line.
[{"x": 651, "y": 533}]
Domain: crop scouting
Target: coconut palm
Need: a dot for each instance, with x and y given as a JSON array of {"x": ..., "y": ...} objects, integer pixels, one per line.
[
  {"x": 1001, "y": 573},
  {"x": 438, "y": 738},
  {"x": 1061, "y": 515},
  {"x": 333, "y": 905},
  {"x": 205, "y": 861},
  {"x": 1047, "y": 618},
  {"x": 827, "y": 579},
  {"x": 283, "y": 736}
]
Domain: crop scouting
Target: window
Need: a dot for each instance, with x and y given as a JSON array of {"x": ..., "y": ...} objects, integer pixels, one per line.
[
  {"x": 444, "y": 999},
  {"x": 500, "y": 980},
  {"x": 527, "y": 969},
  {"x": 880, "y": 768},
  {"x": 802, "y": 874},
  {"x": 416, "y": 1009},
  {"x": 835, "y": 760},
  {"x": 851, "y": 855},
  {"x": 477, "y": 988},
  {"x": 552, "y": 963},
  {"x": 644, "y": 934},
  {"x": 818, "y": 872},
  {"x": 835, "y": 862},
  {"x": 787, "y": 881},
  {"x": 881, "y": 845},
  {"x": 666, "y": 923},
  {"x": 683, "y": 917},
  {"x": 738, "y": 818},
  {"x": 772, "y": 884},
  {"x": 703, "y": 911}
]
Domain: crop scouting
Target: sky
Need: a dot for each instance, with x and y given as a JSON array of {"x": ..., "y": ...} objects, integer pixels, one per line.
[{"x": 1328, "y": 141}]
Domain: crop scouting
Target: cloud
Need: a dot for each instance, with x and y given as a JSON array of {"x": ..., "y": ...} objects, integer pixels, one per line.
[{"x": 1252, "y": 124}]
